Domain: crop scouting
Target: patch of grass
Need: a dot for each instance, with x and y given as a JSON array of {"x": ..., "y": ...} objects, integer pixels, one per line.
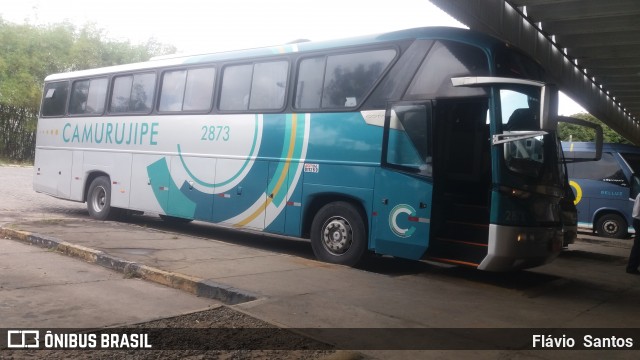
[{"x": 4, "y": 161}]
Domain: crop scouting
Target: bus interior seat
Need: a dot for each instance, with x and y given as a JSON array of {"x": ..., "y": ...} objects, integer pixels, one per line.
[{"x": 522, "y": 119}]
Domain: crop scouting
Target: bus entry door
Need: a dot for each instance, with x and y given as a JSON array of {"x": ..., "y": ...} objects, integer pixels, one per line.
[{"x": 403, "y": 187}]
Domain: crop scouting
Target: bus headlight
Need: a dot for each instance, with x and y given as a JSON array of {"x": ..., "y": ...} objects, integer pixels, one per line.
[{"x": 520, "y": 194}]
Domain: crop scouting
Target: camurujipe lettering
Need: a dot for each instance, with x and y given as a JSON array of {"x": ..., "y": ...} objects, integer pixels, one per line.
[{"x": 120, "y": 133}]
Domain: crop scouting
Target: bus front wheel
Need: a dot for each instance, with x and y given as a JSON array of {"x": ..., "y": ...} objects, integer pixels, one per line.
[
  {"x": 338, "y": 234},
  {"x": 612, "y": 226},
  {"x": 99, "y": 199}
]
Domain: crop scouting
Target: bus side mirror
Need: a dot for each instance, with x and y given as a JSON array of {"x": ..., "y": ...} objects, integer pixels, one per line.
[
  {"x": 598, "y": 140},
  {"x": 548, "y": 107}
]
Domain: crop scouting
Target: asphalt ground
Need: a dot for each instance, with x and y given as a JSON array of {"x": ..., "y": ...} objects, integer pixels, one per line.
[{"x": 278, "y": 281}]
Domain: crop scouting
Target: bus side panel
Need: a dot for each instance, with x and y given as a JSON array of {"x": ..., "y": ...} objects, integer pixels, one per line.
[
  {"x": 118, "y": 167},
  {"x": 191, "y": 197},
  {"x": 52, "y": 172},
  {"x": 243, "y": 203},
  {"x": 150, "y": 179},
  {"x": 77, "y": 176},
  {"x": 403, "y": 222},
  {"x": 329, "y": 182},
  {"x": 362, "y": 196},
  {"x": 277, "y": 193},
  {"x": 45, "y": 179},
  {"x": 293, "y": 209}
]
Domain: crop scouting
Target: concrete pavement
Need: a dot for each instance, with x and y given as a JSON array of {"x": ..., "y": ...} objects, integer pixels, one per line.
[
  {"x": 39, "y": 288},
  {"x": 585, "y": 288}
]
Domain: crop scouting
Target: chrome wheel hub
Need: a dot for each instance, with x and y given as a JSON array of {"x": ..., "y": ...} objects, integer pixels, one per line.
[{"x": 337, "y": 235}]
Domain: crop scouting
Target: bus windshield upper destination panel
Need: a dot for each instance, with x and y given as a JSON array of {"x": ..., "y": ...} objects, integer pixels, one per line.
[{"x": 369, "y": 144}]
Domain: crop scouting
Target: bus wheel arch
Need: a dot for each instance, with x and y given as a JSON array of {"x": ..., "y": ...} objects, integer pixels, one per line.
[
  {"x": 337, "y": 228},
  {"x": 98, "y": 197},
  {"x": 89, "y": 179},
  {"x": 610, "y": 224}
]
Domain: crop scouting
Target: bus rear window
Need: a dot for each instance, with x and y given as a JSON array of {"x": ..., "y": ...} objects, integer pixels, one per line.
[{"x": 55, "y": 98}]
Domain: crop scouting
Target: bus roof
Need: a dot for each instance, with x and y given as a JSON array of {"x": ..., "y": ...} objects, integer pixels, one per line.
[{"x": 445, "y": 33}]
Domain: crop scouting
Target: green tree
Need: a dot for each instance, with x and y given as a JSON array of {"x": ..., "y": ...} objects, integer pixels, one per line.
[
  {"x": 29, "y": 53},
  {"x": 579, "y": 133}
]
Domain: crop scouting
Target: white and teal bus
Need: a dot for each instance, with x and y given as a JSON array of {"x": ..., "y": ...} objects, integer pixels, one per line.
[{"x": 431, "y": 143}]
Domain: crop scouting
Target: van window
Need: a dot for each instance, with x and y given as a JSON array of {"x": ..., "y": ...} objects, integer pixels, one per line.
[{"x": 606, "y": 169}]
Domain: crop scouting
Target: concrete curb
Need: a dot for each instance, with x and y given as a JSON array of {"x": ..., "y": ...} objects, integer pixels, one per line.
[{"x": 200, "y": 287}]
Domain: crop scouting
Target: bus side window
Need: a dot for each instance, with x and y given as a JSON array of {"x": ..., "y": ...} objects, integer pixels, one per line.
[
  {"x": 259, "y": 86},
  {"x": 187, "y": 90},
  {"x": 88, "y": 96},
  {"x": 339, "y": 81},
  {"x": 349, "y": 77},
  {"x": 236, "y": 87},
  {"x": 408, "y": 140},
  {"x": 142, "y": 92},
  {"x": 172, "y": 93},
  {"x": 55, "y": 99},
  {"x": 268, "y": 85},
  {"x": 79, "y": 94},
  {"x": 445, "y": 60},
  {"x": 198, "y": 94},
  {"x": 309, "y": 85},
  {"x": 133, "y": 93}
]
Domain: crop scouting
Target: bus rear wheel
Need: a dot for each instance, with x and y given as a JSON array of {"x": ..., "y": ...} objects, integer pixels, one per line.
[
  {"x": 612, "y": 226},
  {"x": 99, "y": 199},
  {"x": 338, "y": 234}
]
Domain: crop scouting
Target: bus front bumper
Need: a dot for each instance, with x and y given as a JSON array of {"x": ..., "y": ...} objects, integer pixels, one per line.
[{"x": 512, "y": 248}]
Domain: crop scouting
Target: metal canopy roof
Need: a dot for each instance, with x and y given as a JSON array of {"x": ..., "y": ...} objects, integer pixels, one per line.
[{"x": 591, "y": 48}]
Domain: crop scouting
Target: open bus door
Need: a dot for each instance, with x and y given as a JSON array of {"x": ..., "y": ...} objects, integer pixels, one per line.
[{"x": 403, "y": 191}]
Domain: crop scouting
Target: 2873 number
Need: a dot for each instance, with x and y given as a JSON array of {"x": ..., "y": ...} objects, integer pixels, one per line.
[{"x": 215, "y": 133}]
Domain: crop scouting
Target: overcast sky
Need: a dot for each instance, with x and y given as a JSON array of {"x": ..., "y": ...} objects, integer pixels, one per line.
[{"x": 196, "y": 26}]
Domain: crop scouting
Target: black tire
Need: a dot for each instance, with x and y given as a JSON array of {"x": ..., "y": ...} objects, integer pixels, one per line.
[
  {"x": 612, "y": 226},
  {"x": 175, "y": 219},
  {"x": 338, "y": 234},
  {"x": 99, "y": 200}
]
